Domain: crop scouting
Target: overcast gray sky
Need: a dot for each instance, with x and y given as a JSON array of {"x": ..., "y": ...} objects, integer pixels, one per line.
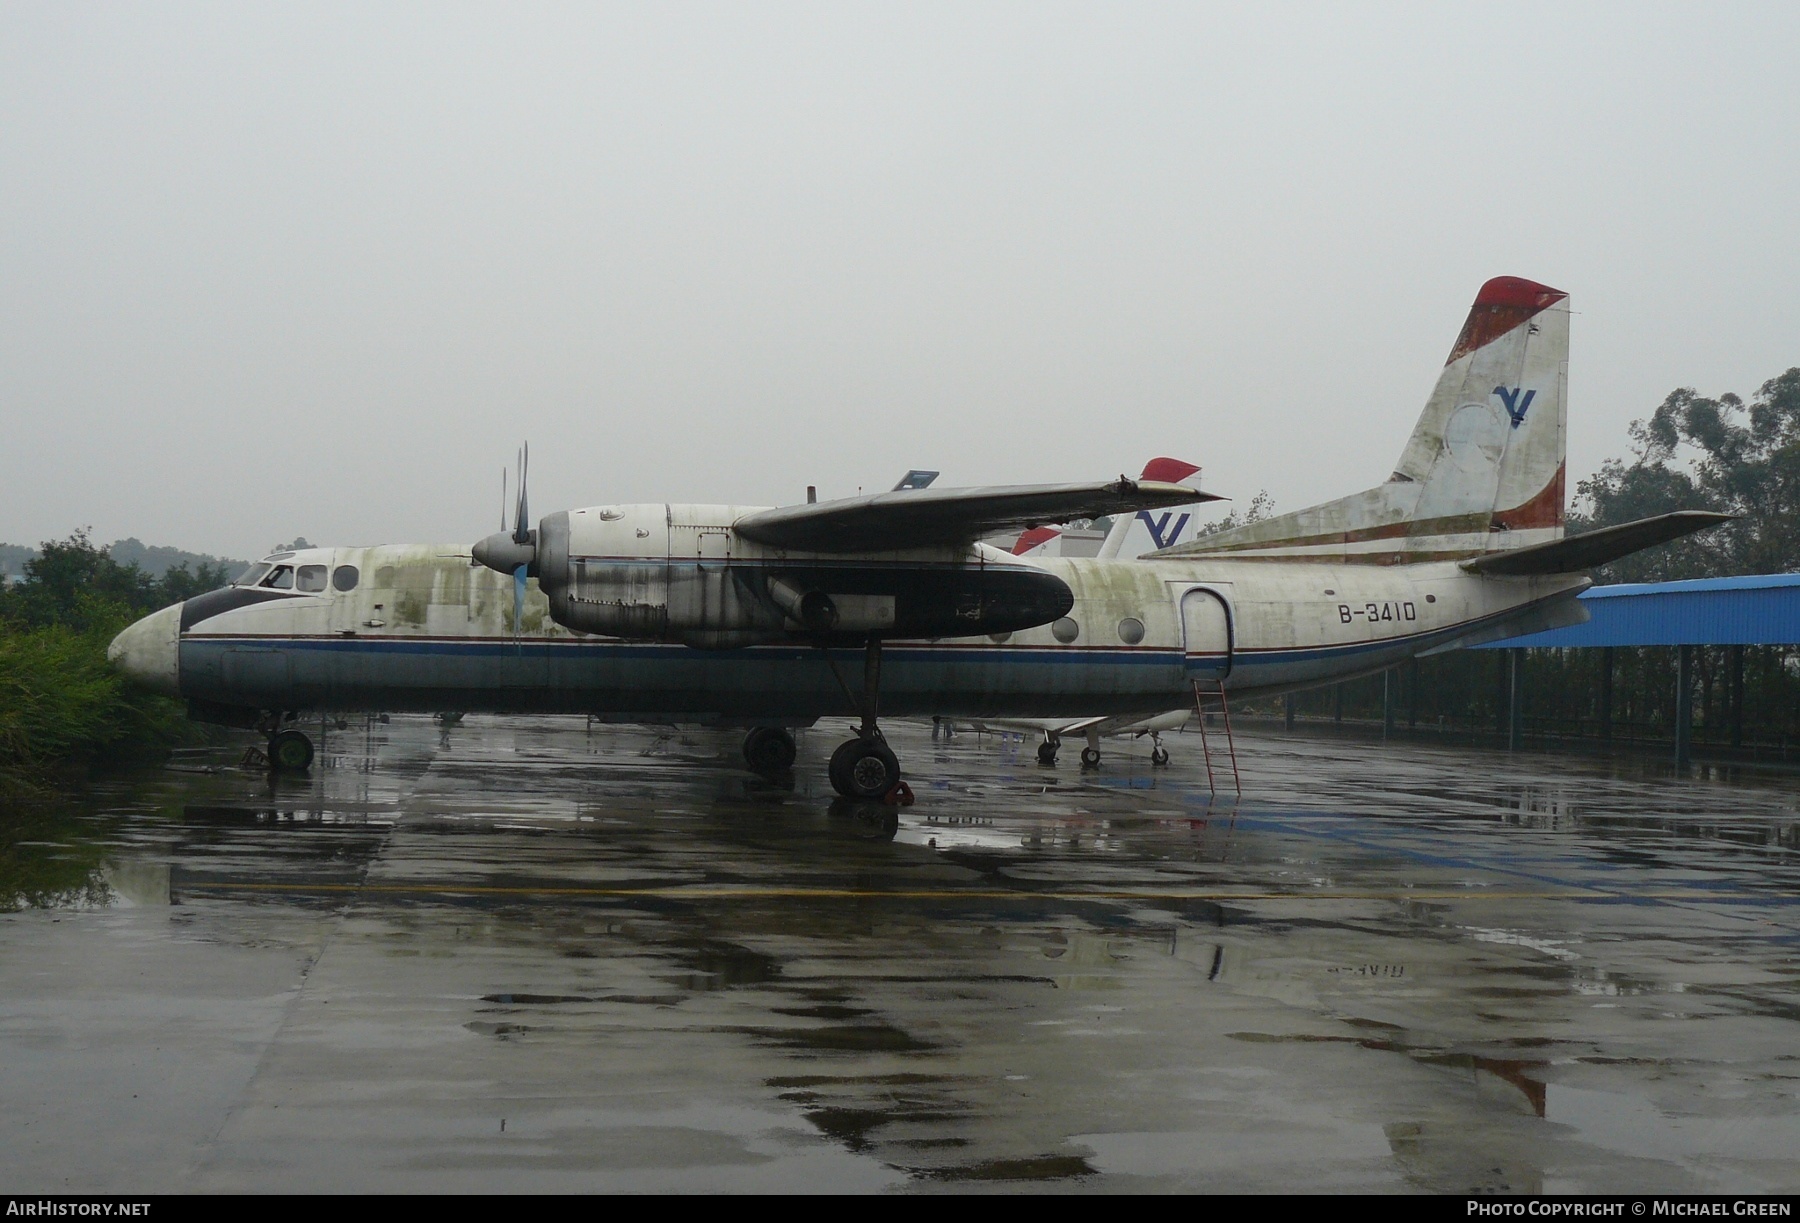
[{"x": 313, "y": 268}]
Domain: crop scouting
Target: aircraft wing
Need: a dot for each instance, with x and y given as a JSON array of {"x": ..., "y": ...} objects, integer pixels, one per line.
[
  {"x": 1578, "y": 552},
  {"x": 1113, "y": 724},
  {"x": 938, "y": 517}
]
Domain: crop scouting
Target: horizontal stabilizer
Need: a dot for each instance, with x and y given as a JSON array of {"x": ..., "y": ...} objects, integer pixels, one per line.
[
  {"x": 938, "y": 517},
  {"x": 1577, "y": 552}
]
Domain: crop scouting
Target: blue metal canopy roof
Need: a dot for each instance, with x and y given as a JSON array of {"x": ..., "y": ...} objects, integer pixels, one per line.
[{"x": 1763, "y": 609}]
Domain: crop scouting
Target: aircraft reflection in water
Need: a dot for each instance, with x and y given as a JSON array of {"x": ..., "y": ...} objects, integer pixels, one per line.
[{"x": 731, "y": 615}]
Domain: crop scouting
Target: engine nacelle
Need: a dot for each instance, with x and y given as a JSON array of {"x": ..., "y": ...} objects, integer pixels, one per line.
[{"x": 681, "y": 573}]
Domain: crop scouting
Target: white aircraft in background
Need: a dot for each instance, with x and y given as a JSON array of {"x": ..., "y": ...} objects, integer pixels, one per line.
[{"x": 750, "y": 616}]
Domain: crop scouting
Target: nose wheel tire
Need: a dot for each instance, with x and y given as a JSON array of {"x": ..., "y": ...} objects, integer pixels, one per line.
[
  {"x": 1159, "y": 757},
  {"x": 863, "y": 768},
  {"x": 769, "y": 749},
  {"x": 290, "y": 751}
]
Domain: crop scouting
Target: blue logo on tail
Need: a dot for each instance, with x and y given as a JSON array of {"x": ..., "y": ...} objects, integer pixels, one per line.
[
  {"x": 1515, "y": 407},
  {"x": 1158, "y": 525}
]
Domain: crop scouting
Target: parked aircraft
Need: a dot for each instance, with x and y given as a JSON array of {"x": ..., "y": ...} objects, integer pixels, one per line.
[{"x": 757, "y": 617}]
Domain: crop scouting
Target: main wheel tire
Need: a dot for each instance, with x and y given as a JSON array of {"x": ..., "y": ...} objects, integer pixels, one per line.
[
  {"x": 769, "y": 749},
  {"x": 1090, "y": 757},
  {"x": 290, "y": 751},
  {"x": 863, "y": 769},
  {"x": 1047, "y": 753}
]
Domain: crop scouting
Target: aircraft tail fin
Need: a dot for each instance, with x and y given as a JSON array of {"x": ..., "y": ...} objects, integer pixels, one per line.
[{"x": 1484, "y": 468}]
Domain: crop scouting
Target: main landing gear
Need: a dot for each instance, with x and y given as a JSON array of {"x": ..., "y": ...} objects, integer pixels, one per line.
[
  {"x": 865, "y": 767},
  {"x": 769, "y": 749},
  {"x": 1047, "y": 750}
]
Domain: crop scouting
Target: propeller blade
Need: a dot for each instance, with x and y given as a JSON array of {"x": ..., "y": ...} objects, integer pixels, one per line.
[
  {"x": 518, "y": 600},
  {"x": 503, "y": 500},
  {"x": 522, "y": 534}
]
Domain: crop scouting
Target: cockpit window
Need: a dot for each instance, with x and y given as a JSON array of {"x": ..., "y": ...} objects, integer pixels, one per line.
[
  {"x": 281, "y": 579},
  {"x": 252, "y": 575},
  {"x": 310, "y": 579}
]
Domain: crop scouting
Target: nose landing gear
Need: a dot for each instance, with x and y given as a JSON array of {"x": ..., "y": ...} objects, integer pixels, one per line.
[{"x": 290, "y": 751}]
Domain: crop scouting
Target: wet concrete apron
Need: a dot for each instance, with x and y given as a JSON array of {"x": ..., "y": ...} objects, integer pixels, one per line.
[{"x": 522, "y": 955}]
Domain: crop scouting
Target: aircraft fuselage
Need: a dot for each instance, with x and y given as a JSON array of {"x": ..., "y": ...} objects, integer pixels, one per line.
[{"x": 420, "y": 629}]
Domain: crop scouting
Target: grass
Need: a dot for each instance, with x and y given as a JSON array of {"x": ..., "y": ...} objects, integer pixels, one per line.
[{"x": 63, "y": 708}]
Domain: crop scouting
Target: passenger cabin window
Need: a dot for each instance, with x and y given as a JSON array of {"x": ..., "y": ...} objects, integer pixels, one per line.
[
  {"x": 252, "y": 575},
  {"x": 310, "y": 579},
  {"x": 344, "y": 577},
  {"x": 281, "y": 579}
]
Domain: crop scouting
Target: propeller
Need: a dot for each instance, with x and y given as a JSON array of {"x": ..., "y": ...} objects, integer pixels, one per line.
[
  {"x": 524, "y": 538},
  {"x": 513, "y": 552}
]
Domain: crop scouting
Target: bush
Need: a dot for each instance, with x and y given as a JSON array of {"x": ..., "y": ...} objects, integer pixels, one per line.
[{"x": 62, "y": 705}]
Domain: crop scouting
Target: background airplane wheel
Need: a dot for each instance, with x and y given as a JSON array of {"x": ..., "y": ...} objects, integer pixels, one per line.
[
  {"x": 1159, "y": 757},
  {"x": 861, "y": 769},
  {"x": 1090, "y": 757},
  {"x": 1046, "y": 753},
  {"x": 290, "y": 752},
  {"x": 769, "y": 749}
]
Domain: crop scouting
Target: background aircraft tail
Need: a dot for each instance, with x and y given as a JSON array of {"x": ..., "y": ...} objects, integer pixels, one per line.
[
  {"x": 1143, "y": 531},
  {"x": 1484, "y": 468}
]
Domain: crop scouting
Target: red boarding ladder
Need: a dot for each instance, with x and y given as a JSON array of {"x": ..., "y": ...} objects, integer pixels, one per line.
[{"x": 1200, "y": 695}]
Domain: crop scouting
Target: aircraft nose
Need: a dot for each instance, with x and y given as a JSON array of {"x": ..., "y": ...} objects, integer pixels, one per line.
[{"x": 150, "y": 651}]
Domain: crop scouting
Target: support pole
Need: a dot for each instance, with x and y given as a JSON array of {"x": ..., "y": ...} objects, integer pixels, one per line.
[
  {"x": 871, "y": 686},
  {"x": 1502, "y": 688},
  {"x": 1515, "y": 700},
  {"x": 1606, "y": 681},
  {"x": 1337, "y": 707},
  {"x": 1412, "y": 694},
  {"x": 1387, "y": 703},
  {"x": 1684, "y": 702},
  {"x": 1737, "y": 696}
]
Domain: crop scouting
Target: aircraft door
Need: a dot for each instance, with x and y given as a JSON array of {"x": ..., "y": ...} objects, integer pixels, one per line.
[
  {"x": 345, "y": 592},
  {"x": 1206, "y": 636}
]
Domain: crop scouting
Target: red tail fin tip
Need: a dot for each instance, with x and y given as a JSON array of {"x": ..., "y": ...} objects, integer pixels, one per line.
[{"x": 1167, "y": 471}]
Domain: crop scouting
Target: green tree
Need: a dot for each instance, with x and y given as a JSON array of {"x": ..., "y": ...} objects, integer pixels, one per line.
[
  {"x": 1717, "y": 454},
  {"x": 76, "y": 585}
]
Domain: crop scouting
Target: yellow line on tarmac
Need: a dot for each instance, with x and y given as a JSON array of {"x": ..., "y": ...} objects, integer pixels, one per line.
[{"x": 702, "y": 893}]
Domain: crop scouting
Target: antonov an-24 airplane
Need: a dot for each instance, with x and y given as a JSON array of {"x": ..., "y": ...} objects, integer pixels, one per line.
[{"x": 754, "y": 617}]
